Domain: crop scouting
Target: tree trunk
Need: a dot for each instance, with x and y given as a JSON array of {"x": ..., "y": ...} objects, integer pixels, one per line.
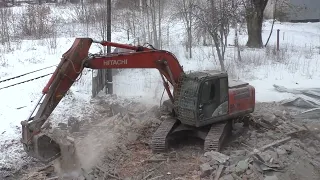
[
  {"x": 159, "y": 26},
  {"x": 254, "y": 17},
  {"x": 154, "y": 25},
  {"x": 190, "y": 42},
  {"x": 189, "y": 29},
  {"x": 148, "y": 25},
  {"x": 220, "y": 54}
]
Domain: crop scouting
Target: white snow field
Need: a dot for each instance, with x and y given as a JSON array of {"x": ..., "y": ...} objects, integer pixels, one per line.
[{"x": 297, "y": 66}]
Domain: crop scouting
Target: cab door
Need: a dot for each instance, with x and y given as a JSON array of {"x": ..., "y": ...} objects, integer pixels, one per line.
[{"x": 213, "y": 98}]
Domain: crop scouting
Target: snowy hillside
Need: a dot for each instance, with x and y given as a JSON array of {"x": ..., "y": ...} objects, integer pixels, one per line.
[{"x": 297, "y": 65}]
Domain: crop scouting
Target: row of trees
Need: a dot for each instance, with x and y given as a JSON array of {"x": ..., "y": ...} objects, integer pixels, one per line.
[
  {"x": 208, "y": 21},
  {"x": 202, "y": 19}
]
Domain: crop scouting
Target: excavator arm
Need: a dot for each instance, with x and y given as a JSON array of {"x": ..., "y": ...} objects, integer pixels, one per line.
[{"x": 68, "y": 71}]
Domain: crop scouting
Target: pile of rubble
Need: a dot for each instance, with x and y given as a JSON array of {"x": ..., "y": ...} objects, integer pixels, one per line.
[
  {"x": 115, "y": 124},
  {"x": 113, "y": 144},
  {"x": 273, "y": 147}
]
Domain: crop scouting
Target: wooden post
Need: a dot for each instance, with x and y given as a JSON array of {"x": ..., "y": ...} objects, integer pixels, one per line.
[{"x": 278, "y": 39}]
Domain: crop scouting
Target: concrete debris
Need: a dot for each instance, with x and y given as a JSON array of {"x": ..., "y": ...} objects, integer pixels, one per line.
[
  {"x": 205, "y": 169},
  {"x": 132, "y": 136},
  {"x": 204, "y": 159},
  {"x": 270, "y": 155},
  {"x": 118, "y": 109},
  {"x": 300, "y": 102},
  {"x": 239, "y": 153},
  {"x": 288, "y": 148},
  {"x": 73, "y": 125},
  {"x": 230, "y": 169},
  {"x": 274, "y": 177},
  {"x": 281, "y": 151},
  {"x": 249, "y": 171},
  {"x": 214, "y": 155},
  {"x": 218, "y": 172},
  {"x": 307, "y": 93},
  {"x": 227, "y": 177},
  {"x": 271, "y": 118},
  {"x": 309, "y": 114},
  {"x": 253, "y": 153},
  {"x": 241, "y": 167},
  {"x": 63, "y": 126}
]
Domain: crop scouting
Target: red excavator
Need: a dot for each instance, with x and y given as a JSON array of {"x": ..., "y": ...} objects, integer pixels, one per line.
[{"x": 200, "y": 104}]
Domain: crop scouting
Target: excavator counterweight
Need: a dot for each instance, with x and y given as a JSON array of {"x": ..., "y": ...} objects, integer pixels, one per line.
[{"x": 200, "y": 103}]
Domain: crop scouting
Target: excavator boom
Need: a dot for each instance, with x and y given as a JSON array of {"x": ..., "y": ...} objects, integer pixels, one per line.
[{"x": 69, "y": 69}]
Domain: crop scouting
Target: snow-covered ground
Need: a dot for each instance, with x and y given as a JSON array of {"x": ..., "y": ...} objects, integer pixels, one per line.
[{"x": 296, "y": 66}]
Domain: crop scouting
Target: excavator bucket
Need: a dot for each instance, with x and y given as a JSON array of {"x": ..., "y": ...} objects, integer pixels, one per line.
[
  {"x": 43, "y": 148},
  {"x": 37, "y": 143}
]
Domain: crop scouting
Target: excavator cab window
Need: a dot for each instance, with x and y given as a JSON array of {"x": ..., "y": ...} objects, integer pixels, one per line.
[
  {"x": 208, "y": 92},
  {"x": 214, "y": 93}
]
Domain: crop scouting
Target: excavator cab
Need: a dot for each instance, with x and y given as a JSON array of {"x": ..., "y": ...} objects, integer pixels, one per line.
[{"x": 203, "y": 98}]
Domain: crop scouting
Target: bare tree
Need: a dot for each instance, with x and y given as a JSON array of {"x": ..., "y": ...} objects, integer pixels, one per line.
[
  {"x": 153, "y": 21},
  {"x": 142, "y": 19},
  {"x": 215, "y": 17},
  {"x": 100, "y": 13},
  {"x": 5, "y": 23},
  {"x": 254, "y": 17},
  {"x": 184, "y": 10}
]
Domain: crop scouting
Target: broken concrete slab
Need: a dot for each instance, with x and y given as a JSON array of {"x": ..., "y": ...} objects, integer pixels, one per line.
[
  {"x": 205, "y": 169},
  {"x": 204, "y": 159},
  {"x": 271, "y": 118},
  {"x": 286, "y": 90},
  {"x": 274, "y": 155},
  {"x": 281, "y": 151},
  {"x": 300, "y": 102},
  {"x": 214, "y": 155},
  {"x": 132, "y": 136},
  {"x": 242, "y": 166}
]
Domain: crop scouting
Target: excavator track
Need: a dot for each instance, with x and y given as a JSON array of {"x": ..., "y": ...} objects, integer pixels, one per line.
[
  {"x": 216, "y": 136},
  {"x": 159, "y": 141}
]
